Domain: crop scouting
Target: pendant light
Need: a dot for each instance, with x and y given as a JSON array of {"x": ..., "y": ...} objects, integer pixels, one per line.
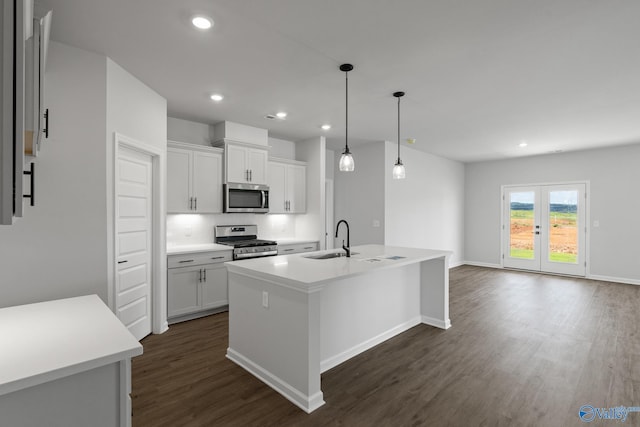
[
  {"x": 346, "y": 160},
  {"x": 398, "y": 168}
]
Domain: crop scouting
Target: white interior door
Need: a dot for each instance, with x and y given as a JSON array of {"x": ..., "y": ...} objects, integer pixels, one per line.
[
  {"x": 545, "y": 228},
  {"x": 133, "y": 240}
]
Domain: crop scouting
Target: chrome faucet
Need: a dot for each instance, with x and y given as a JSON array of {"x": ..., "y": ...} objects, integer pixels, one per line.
[{"x": 346, "y": 248}]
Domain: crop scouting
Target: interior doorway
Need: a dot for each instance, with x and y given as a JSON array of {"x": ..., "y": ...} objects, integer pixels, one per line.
[
  {"x": 134, "y": 225},
  {"x": 544, "y": 228}
]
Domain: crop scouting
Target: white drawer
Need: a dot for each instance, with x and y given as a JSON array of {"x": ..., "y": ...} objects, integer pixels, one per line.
[
  {"x": 200, "y": 258},
  {"x": 297, "y": 248}
]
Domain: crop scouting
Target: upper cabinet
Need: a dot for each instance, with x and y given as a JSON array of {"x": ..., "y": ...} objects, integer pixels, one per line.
[
  {"x": 287, "y": 186},
  {"x": 36, "y": 117},
  {"x": 244, "y": 163},
  {"x": 194, "y": 179},
  {"x": 22, "y": 22}
]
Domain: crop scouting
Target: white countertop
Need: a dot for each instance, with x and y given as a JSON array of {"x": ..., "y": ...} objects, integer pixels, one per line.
[
  {"x": 300, "y": 272},
  {"x": 46, "y": 341},
  {"x": 200, "y": 247}
]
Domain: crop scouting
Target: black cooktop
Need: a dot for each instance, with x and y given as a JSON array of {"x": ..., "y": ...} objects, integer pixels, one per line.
[{"x": 248, "y": 243}]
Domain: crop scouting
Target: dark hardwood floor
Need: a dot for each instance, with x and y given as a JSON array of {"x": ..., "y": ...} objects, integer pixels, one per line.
[{"x": 524, "y": 349}]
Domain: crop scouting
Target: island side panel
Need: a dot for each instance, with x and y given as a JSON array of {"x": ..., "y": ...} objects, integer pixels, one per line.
[
  {"x": 360, "y": 312},
  {"x": 280, "y": 343},
  {"x": 434, "y": 297},
  {"x": 90, "y": 398}
]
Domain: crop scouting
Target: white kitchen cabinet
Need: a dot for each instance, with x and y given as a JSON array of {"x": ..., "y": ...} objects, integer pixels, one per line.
[
  {"x": 194, "y": 179},
  {"x": 245, "y": 163},
  {"x": 287, "y": 186},
  {"x": 196, "y": 284},
  {"x": 17, "y": 32},
  {"x": 214, "y": 286},
  {"x": 36, "y": 115},
  {"x": 297, "y": 248}
]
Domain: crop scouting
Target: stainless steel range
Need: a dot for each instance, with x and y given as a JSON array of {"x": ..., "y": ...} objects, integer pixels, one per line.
[{"x": 245, "y": 242}]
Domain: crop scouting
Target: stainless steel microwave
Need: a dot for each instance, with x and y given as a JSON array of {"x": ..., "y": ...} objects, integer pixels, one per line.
[{"x": 246, "y": 198}]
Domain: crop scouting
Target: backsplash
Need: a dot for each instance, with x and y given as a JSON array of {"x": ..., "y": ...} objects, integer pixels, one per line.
[{"x": 189, "y": 229}]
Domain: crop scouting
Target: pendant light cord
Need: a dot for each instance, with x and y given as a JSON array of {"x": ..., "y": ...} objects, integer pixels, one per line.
[
  {"x": 398, "y": 129},
  {"x": 346, "y": 109}
]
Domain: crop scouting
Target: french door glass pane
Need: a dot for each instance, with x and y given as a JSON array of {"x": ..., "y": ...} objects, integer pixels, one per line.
[
  {"x": 521, "y": 207},
  {"x": 563, "y": 226}
]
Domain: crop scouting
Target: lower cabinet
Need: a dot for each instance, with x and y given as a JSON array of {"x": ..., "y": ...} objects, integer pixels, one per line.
[{"x": 195, "y": 290}]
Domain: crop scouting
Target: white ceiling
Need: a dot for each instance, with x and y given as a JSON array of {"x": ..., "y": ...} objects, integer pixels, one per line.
[{"x": 480, "y": 76}]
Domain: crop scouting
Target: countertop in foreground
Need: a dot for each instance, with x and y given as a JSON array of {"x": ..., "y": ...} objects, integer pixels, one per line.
[{"x": 50, "y": 340}]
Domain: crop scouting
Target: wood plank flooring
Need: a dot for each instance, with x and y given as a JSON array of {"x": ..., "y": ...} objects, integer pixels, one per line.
[{"x": 524, "y": 349}]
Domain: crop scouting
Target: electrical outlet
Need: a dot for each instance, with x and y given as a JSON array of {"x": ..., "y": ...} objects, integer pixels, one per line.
[
  {"x": 376, "y": 223},
  {"x": 596, "y": 223},
  {"x": 265, "y": 299}
]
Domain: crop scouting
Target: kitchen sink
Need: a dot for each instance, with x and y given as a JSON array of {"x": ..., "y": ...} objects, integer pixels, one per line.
[{"x": 330, "y": 255}]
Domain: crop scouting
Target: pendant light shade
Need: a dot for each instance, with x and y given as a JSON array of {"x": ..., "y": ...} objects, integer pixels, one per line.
[
  {"x": 346, "y": 160},
  {"x": 398, "y": 168}
]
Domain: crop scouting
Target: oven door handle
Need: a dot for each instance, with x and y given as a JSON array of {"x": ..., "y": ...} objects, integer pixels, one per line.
[{"x": 263, "y": 199}]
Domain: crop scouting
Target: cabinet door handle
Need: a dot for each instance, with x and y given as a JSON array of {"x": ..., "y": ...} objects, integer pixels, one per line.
[
  {"x": 31, "y": 196},
  {"x": 288, "y": 250},
  {"x": 200, "y": 275},
  {"x": 250, "y": 175},
  {"x": 186, "y": 260},
  {"x": 122, "y": 262},
  {"x": 46, "y": 123},
  {"x": 309, "y": 247},
  {"x": 195, "y": 203},
  {"x": 217, "y": 257},
  {"x": 204, "y": 274}
]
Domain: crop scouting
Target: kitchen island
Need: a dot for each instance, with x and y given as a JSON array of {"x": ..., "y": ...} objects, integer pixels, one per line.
[{"x": 293, "y": 317}]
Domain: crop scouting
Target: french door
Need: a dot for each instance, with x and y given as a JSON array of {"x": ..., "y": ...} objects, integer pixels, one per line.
[{"x": 544, "y": 228}]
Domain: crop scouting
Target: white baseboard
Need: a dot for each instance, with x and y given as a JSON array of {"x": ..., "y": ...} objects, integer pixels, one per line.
[
  {"x": 589, "y": 276},
  {"x": 614, "y": 279},
  {"x": 295, "y": 396},
  {"x": 333, "y": 361},
  {"x": 455, "y": 264},
  {"x": 438, "y": 323},
  {"x": 481, "y": 264}
]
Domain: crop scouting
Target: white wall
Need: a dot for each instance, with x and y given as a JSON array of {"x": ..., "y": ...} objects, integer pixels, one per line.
[
  {"x": 330, "y": 164},
  {"x": 312, "y": 224},
  {"x": 188, "y": 131},
  {"x": 138, "y": 113},
  {"x": 613, "y": 174},
  {"x": 282, "y": 148},
  {"x": 426, "y": 209},
  {"x": 359, "y": 196},
  {"x": 59, "y": 249},
  {"x": 191, "y": 229}
]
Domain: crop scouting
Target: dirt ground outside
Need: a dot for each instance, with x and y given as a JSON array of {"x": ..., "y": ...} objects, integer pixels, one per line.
[{"x": 563, "y": 234}]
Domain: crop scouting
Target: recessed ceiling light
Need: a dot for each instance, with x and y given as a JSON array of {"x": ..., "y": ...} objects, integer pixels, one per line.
[
  {"x": 522, "y": 144},
  {"x": 326, "y": 127},
  {"x": 202, "y": 22},
  {"x": 281, "y": 115},
  {"x": 217, "y": 97}
]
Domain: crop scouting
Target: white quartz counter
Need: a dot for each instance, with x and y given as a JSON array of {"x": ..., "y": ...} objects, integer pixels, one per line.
[
  {"x": 201, "y": 247},
  {"x": 300, "y": 271},
  {"x": 54, "y": 339}
]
